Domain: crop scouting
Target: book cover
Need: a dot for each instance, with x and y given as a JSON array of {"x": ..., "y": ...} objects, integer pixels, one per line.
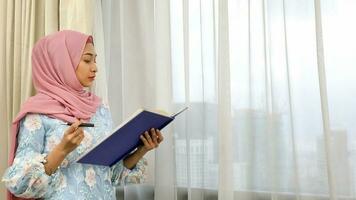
[{"x": 125, "y": 138}]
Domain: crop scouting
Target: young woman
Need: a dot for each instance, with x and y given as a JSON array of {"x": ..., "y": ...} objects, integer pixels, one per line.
[{"x": 44, "y": 150}]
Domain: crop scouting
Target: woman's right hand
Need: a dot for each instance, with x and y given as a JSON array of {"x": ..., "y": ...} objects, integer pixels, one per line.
[{"x": 72, "y": 138}]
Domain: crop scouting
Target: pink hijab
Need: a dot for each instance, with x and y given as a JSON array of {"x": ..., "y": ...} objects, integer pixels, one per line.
[{"x": 59, "y": 93}]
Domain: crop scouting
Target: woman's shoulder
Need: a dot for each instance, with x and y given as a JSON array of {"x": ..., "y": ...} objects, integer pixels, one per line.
[
  {"x": 104, "y": 104},
  {"x": 33, "y": 118},
  {"x": 32, "y": 121},
  {"x": 38, "y": 116},
  {"x": 103, "y": 110},
  {"x": 44, "y": 119},
  {"x": 37, "y": 120},
  {"x": 103, "y": 107}
]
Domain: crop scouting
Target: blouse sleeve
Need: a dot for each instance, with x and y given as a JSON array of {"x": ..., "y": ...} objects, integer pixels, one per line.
[
  {"x": 26, "y": 177},
  {"x": 124, "y": 176}
]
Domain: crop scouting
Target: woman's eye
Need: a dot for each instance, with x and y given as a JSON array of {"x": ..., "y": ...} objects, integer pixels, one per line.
[{"x": 87, "y": 61}]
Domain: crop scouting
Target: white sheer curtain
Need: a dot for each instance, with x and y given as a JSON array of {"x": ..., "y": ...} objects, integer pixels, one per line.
[{"x": 269, "y": 83}]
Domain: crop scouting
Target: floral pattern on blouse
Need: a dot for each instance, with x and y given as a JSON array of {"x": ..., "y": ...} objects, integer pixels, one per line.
[{"x": 38, "y": 135}]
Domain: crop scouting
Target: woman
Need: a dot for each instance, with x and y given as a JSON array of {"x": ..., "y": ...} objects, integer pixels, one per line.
[{"x": 44, "y": 166}]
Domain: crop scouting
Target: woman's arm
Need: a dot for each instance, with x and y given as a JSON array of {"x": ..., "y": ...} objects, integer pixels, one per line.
[{"x": 26, "y": 177}]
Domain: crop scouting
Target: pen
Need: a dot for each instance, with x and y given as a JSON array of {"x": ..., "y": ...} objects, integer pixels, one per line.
[{"x": 81, "y": 125}]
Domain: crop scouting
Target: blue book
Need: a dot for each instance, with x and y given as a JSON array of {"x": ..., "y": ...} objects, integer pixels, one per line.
[{"x": 125, "y": 138}]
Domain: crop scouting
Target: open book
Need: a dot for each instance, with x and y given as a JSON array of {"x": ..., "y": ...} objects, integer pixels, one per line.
[{"x": 126, "y": 137}]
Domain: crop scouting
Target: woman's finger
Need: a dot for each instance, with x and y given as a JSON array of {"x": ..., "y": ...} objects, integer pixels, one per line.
[
  {"x": 78, "y": 138},
  {"x": 73, "y": 127},
  {"x": 78, "y": 132},
  {"x": 154, "y": 137},
  {"x": 81, "y": 139},
  {"x": 143, "y": 139},
  {"x": 148, "y": 138},
  {"x": 159, "y": 135}
]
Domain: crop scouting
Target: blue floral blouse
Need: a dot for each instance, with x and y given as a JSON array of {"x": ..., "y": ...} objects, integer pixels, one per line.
[{"x": 38, "y": 135}]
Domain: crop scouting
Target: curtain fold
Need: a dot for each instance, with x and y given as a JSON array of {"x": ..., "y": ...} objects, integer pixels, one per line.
[
  {"x": 165, "y": 182},
  {"x": 323, "y": 97},
  {"x": 225, "y": 136}
]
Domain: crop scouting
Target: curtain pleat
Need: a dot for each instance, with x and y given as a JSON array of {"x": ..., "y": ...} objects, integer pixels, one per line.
[{"x": 324, "y": 98}]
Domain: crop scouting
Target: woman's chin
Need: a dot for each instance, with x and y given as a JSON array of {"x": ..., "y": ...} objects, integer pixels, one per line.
[{"x": 88, "y": 84}]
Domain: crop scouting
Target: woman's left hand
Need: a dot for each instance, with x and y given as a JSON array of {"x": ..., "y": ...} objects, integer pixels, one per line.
[{"x": 151, "y": 140}]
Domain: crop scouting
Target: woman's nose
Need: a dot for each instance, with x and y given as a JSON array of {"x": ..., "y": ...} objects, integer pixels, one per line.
[{"x": 94, "y": 68}]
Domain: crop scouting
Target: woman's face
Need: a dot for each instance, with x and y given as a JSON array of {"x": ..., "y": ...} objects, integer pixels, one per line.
[{"x": 86, "y": 69}]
